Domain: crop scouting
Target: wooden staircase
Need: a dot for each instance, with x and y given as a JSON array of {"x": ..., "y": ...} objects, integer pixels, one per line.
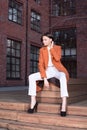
[{"x": 14, "y": 116}]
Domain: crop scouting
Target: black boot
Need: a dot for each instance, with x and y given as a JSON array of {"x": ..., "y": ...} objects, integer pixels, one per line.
[{"x": 34, "y": 109}]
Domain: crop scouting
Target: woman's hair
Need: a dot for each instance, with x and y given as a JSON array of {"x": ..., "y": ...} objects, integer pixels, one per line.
[{"x": 47, "y": 34}]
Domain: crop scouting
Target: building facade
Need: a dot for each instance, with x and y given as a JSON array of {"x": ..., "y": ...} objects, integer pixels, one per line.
[
  {"x": 22, "y": 23},
  {"x": 69, "y": 26}
]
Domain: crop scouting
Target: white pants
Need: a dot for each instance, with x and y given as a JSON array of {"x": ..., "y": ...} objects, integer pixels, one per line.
[{"x": 50, "y": 72}]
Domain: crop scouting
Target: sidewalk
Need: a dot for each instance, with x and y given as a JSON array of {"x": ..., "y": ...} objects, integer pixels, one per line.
[
  {"x": 14, "y": 94},
  {"x": 15, "y": 88},
  {"x": 2, "y": 129}
]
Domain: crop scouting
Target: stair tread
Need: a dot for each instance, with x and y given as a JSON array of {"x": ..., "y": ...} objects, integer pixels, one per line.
[
  {"x": 20, "y": 105},
  {"x": 45, "y": 118},
  {"x": 80, "y": 122},
  {"x": 44, "y": 107},
  {"x": 12, "y": 125}
]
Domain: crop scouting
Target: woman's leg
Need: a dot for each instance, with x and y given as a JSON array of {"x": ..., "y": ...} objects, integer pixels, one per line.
[
  {"x": 63, "y": 82},
  {"x": 32, "y": 87},
  {"x": 32, "y": 83},
  {"x": 64, "y": 104},
  {"x": 63, "y": 90}
]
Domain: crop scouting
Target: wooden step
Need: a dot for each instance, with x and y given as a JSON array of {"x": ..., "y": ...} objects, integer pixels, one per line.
[{"x": 45, "y": 119}]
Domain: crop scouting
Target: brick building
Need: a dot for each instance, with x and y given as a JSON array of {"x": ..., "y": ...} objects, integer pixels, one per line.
[{"x": 21, "y": 24}]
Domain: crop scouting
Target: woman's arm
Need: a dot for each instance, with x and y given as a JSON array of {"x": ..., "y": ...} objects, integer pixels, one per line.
[
  {"x": 42, "y": 69},
  {"x": 41, "y": 65}
]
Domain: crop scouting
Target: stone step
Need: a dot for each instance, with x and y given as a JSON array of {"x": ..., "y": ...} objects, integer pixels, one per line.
[
  {"x": 44, "y": 107},
  {"x": 12, "y": 125},
  {"x": 54, "y": 108},
  {"x": 75, "y": 88},
  {"x": 71, "y": 99},
  {"x": 45, "y": 119},
  {"x": 54, "y": 94},
  {"x": 14, "y": 106},
  {"x": 71, "y": 88}
]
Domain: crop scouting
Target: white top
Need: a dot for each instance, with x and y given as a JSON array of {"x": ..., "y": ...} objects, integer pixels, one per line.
[{"x": 50, "y": 60}]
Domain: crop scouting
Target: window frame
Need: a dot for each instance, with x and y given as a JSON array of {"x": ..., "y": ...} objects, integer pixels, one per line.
[
  {"x": 63, "y": 7},
  {"x": 35, "y": 21},
  {"x": 38, "y": 1},
  {"x": 15, "y": 12},
  {"x": 34, "y": 58},
  {"x": 13, "y": 59},
  {"x": 69, "y": 51}
]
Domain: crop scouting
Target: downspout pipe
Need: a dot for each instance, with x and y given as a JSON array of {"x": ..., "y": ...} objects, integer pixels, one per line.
[
  {"x": 26, "y": 43},
  {"x": 50, "y": 8}
]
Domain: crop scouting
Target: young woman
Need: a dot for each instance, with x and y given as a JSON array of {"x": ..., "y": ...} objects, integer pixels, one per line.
[{"x": 49, "y": 66}]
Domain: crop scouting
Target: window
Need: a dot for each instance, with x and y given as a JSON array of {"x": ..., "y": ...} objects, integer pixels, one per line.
[
  {"x": 67, "y": 40},
  {"x": 63, "y": 7},
  {"x": 13, "y": 59},
  {"x": 15, "y": 11},
  {"x": 34, "y": 53},
  {"x": 38, "y": 1},
  {"x": 35, "y": 21}
]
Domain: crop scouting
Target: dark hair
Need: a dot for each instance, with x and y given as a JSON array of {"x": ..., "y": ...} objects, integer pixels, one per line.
[{"x": 47, "y": 34}]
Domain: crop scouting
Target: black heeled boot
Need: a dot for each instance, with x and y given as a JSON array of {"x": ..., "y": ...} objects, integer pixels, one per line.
[
  {"x": 34, "y": 109},
  {"x": 63, "y": 113}
]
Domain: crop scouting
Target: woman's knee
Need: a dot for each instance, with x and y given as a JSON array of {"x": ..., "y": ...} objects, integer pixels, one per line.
[
  {"x": 30, "y": 77},
  {"x": 62, "y": 75}
]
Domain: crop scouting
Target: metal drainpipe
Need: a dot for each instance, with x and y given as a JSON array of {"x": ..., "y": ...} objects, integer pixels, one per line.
[
  {"x": 50, "y": 8},
  {"x": 26, "y": 42}
]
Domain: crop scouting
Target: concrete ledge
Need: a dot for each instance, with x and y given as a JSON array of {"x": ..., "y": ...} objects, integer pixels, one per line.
[{"x": 13, "y": 88}]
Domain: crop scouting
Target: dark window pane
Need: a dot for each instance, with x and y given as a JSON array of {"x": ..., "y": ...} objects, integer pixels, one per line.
[
  {"x": 38, "y": 1},
  {"x": 15, "y": 11},
  {"x": 66, "y": 38},
  {"x": 13, "y": 59},
  {"x": 63, "y": 7},
  {"x": 34, "y": 59},
  {"x": 35, "y": 21}
]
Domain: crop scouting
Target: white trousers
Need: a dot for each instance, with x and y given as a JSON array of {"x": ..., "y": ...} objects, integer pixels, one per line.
[{"x": 50, "y": 72}]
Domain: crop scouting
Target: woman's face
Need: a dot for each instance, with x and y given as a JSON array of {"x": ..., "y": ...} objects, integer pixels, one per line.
[{"x": 46, "y": 41}]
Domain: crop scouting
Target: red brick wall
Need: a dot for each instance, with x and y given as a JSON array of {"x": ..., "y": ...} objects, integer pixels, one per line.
[
  {"x": 34, "y": 37},
  {"x": 12, "y": 30},
  {"x": 82, "y": 39},
  {"x": 79, "y": 20},
  {"x": 17, "y": 32}
]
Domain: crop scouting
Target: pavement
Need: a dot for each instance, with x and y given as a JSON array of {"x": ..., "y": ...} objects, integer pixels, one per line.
[
  {"x": 2, "y": 129},
  {"x": 14, "y": 94},
  {"x": 13, "y": 88}
]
